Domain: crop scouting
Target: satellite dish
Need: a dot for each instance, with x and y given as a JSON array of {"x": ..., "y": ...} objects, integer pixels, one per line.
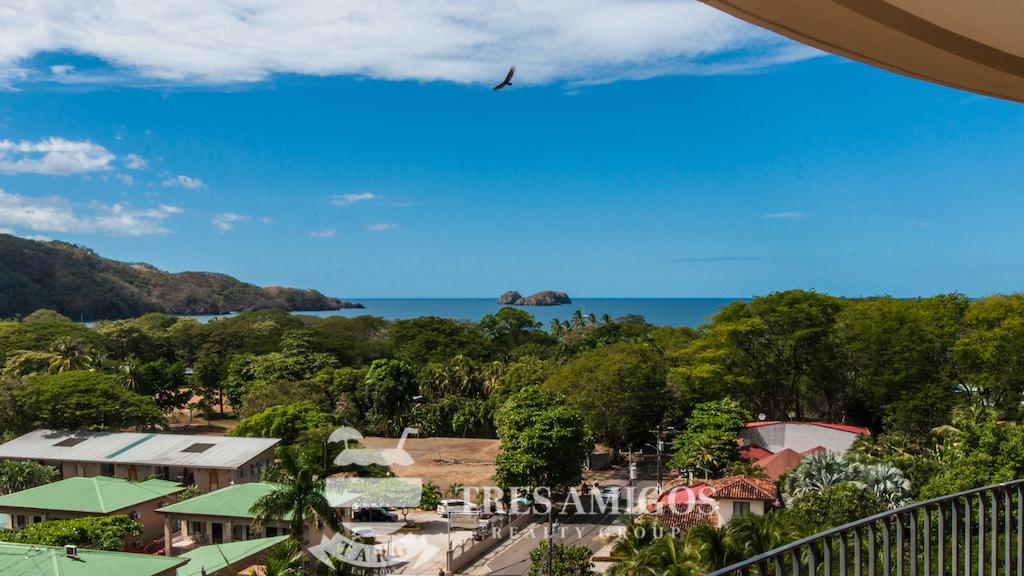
[{"x": 761, "y": 416}]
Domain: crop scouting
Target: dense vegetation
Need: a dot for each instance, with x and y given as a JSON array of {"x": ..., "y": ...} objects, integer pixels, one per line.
[
  {"x": 78, "y": 283},
  {"x": 927, "y": 375},
  {"x": 938, "y": 380},
  {"x": 95, "y": 532}
]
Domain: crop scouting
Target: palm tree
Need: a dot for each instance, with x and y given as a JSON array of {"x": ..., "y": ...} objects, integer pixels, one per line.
[
  {"x": 556, "y": 328},
  {"x": 284, "y": 559},
  {"x": 300, "y": 497},
  {"x": 577, "y": 320},
  {"x": 635, "y": 538},
  {"x": 453, "y": 490},
  {"x": 718, "y": 547},
  {"x": 69, "y": 354},
  {"x": 491, "y": 375},
  {"x": 670, "y": 556},
  {"x": 752, "y": 534},
  {"x": 818, "y": 471},
  {"x": 888, "y": 483},
  {"x": 129, "y": 377}
]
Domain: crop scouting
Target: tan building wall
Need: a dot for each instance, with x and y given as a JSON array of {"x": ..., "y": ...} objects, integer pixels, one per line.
[
  {"x": 726, "y": 509},
  {"x": 206, "y": 479}
]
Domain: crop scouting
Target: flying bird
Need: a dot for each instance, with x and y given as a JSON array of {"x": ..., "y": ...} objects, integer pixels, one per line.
[{"x": 508, "y": 79}]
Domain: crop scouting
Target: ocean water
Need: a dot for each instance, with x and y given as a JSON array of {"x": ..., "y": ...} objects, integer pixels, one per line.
[{"x": 661, "y": 311}]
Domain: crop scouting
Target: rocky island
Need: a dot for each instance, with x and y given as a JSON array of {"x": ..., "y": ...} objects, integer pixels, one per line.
[{"x": 543, "y": 298}]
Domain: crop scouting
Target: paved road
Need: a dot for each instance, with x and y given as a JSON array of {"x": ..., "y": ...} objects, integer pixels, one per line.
[{"x": 512, "y": 558}]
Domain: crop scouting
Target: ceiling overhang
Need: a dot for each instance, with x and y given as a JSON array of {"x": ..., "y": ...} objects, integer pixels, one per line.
[{"x": 973, "y": 45}]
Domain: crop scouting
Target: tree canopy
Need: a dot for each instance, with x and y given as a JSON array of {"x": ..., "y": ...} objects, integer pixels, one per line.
[{"x": 544, "y": 443}]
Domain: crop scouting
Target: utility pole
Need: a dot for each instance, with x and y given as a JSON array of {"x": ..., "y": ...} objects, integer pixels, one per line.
[
  {"x": 659, "y": 447},
  {"x": 448, "y": 555}
]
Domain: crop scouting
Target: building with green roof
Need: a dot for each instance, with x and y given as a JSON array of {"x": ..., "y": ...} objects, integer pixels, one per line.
[
  {"x": 224, "y": 516},
  {"x": 229, "y": 558},
  {"x": 54, "y": 561},
  {"x": 94, "y": 496}
]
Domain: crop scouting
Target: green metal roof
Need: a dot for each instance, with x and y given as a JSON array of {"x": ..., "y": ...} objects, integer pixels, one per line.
[
  {"x": 51, "y": 561},
  {"x": 218, "y": 556},
  {"x": 233, "y": 501},
  {"x": 236, "y": 500},
  {"x": 95, "y": 495}
]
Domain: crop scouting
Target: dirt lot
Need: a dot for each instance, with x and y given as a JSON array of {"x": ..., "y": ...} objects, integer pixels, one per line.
[{"x": 445, "y": 461}]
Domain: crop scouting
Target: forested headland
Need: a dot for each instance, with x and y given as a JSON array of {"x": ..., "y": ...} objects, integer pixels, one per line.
[{"x": 80, "y": 284}]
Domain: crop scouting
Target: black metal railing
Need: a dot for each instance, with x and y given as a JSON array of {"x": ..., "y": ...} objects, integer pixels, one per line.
[{"x": 972, "y": 533}]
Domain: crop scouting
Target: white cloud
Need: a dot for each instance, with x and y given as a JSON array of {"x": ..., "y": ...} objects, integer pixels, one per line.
[
  {"x": 347, "y": 199},
  {"x": 58, "y": 214},
  {"x": 785, "y": 216},
  {"x": 322, "y": 234},
  {"x": 266, "y": 220},
  {"x": 61, "y": 69},
  {"x": 125, "y": 179},
  {"x": 465, "y": 41},
  {"x": 380, "y": 227},
  {"x": 227, "y": 220},
  {"x": 53, "y": 156},
  {"x": 183, "y": 181},
  {"x": 135, "y": 162}
]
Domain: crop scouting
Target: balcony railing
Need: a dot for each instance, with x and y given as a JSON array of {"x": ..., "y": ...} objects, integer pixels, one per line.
[{"x": 972, "y": 533}]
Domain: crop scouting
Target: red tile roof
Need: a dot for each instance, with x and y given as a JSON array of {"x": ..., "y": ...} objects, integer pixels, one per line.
[
  {"x": 743, "y": 488},
  {"x": 753, "y": 453},
  {"x": 779, "y": 463},
  {"x": 843, "y": 427},
  {"x": 702, "y": 514}
]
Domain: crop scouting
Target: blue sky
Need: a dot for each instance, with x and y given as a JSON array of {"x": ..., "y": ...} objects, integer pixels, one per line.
[{"x": 683, "y": 181}]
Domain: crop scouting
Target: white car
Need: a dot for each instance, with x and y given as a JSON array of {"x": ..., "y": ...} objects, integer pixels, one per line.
[
  {"x": 611, "y": 494},
  {"x": 456, "y": 506},
  {"x": 364, "y": 534}
]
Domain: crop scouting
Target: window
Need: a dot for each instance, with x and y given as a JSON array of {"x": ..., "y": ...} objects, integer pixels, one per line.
[
  {"x": 106, "y": 469},
  {"x": 740, "y": 508},
  {"x": 198, "y": 447}
]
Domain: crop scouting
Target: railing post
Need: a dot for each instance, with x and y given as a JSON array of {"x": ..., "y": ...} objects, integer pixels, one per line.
[
  {"x": 913, "y": 542},
  {"x": 856, "y": 551},
  {"x": 993, "y": 567},
  {"x": 967, "y": 536},
  {"x": 870, "y": 533},
  {"x": 842, "y": 554},
  {"x": 886, "y": 553},
  {"x": 899, "y": 544},
  {"x": 981, "y": 535},
  {"x": 812, "y": 560},
  {"x": 954, "y": 541},
  {"x": 927, "y": 526},
  {"x": 941, "y": 568},
  {"x": 826, "y": 552},
  {"x": 1007, "y": 532},
  {"x": 1020, "y": 531}
]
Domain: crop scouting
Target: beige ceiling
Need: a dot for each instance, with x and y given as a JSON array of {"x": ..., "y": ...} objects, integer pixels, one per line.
[{"x": 975, "y": 45}]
